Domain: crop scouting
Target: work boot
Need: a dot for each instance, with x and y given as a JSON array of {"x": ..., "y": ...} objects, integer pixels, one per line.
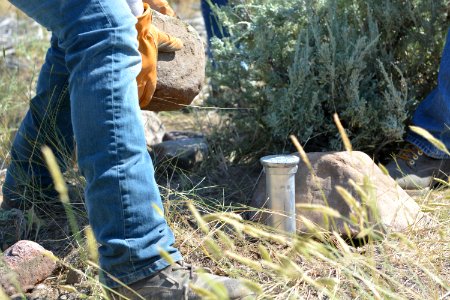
[
  {"x": 175, "y": 283},
  {"x": 412, "y": 169}
]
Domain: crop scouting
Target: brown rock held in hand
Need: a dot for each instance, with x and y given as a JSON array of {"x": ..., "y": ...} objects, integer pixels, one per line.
[
  {"x": 23, "y": 265},
  {"x": 181, "y": 73}
]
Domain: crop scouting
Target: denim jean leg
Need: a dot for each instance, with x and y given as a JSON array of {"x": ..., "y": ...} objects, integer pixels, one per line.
[
  {"x": 122, "y": 198},
  {"x": 47, "y": 122},
  {"x": 211, "y": 24},
  {"x": 433, "y": 114}
]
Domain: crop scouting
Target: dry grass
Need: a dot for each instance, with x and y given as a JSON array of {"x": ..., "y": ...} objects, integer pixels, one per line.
[
  {"x": 185, "y": 8},
  {"x": 412, "y": 265},
  {"x": 5, "y": 8}
]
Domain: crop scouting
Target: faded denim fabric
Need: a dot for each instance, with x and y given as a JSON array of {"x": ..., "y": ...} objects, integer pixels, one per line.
[
  {"x": 87, "y": 89},
  {"x": 433, "y": 114}
]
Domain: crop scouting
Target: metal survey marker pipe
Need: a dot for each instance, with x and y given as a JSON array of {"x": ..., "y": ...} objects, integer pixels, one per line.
[{"x": 280, "y": 190}]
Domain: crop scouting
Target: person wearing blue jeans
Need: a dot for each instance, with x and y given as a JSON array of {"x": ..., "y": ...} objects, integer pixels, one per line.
[
  {"x": 416, "y": 165},
  {"x": 213, "y": 29},
  {"x": 87, "y": 92}
]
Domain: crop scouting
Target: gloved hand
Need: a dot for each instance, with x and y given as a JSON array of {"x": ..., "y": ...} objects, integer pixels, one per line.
[
  {"x": 161, "y": 6},
  {"x": 151, "y": 40}
]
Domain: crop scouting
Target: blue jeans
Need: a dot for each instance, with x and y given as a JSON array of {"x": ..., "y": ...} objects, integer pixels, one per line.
[
  {"x": 211, "y": 24},
  {"x": 87, "y": 90},
  {"x": 433, "y": 114}
]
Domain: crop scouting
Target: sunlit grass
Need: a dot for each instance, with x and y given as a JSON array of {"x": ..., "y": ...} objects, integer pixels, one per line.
[{"x": 320, "y": 265}]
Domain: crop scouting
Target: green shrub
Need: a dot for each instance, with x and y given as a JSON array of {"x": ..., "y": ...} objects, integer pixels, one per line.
[{"x": 288, "y": 66}]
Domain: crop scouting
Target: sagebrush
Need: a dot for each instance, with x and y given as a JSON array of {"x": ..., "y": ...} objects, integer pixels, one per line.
[{"x": 288, "y": 66}]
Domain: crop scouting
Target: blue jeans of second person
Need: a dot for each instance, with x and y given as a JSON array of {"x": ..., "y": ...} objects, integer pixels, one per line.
[
  {"x": 211, "y": 23},
  {"x": 87, "y": 90},
  {"x": 433, "y": 114}
]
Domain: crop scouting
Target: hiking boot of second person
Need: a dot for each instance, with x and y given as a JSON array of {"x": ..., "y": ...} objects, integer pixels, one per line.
[{"x": 412, "y": 169}]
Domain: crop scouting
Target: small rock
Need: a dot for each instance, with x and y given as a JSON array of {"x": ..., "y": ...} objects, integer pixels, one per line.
[
  {"x": 153, "y": 128},
  {"x": 397, "y": 210},
  {"x": 40, "y": 287},
  {"x": 185, "y": 153},
  {"x": 43, "y": 292},
  {"x": 23, "y": 265},
  {"x": 178, "y": 135},
  {"x": 181, "y": 74},
  {"x": 12, "y": 226},
  {"x": 73, "y": 277}
]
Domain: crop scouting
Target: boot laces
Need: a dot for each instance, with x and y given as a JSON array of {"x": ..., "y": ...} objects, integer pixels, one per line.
[
  {"x": 181, "y": 265},
  {"x": 410, "y": 154}
]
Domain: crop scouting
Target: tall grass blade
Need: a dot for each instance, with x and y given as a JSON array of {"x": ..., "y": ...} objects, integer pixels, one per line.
[
  {"x": 200, "y": 221},
  {"x": 429, "y": 137},
  {"x": 166, "y": 256},
  {"x": 301, "y": 152},
  {"x": 3, "y": 295},
  {"x": 61, "y": 188},
  {"x": 325, "y": 210},
  {"x": 344, "y": 136},
  {"x": 91, "y": 244}
]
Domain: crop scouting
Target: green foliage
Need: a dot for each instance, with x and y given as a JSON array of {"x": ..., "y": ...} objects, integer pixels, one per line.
[{"x": 288, "y": 66}]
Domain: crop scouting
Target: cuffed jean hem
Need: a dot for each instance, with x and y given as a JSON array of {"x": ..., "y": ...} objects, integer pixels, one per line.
[
  {"x": 141, "y": 274},
  {"x": 426, "y": 146}
]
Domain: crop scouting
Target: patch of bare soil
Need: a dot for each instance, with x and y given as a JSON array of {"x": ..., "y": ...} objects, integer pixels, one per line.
[{"x": 199, "y": 120}]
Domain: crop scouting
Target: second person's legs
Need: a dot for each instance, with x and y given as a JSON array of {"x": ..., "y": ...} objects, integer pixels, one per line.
[
  {"x": 433, "y": 114},
  {"x": 420, "y": 162}
]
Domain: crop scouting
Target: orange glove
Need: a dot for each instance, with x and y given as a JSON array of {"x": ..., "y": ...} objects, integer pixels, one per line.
[
  {"x": 151, "y": 40},
  {"x": 161, "y": 6}
]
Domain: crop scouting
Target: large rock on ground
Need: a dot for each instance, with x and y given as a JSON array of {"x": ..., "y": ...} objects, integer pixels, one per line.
[
  {"x": 180, "y": 74},
  {"x": 25, "y": 263},
  {"x": 183, "y": 150},
  {"x": 397, "y": 210}
]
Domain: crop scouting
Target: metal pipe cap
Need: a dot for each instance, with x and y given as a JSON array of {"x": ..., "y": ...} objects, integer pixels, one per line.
[{"x": 280, "y": 161}]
